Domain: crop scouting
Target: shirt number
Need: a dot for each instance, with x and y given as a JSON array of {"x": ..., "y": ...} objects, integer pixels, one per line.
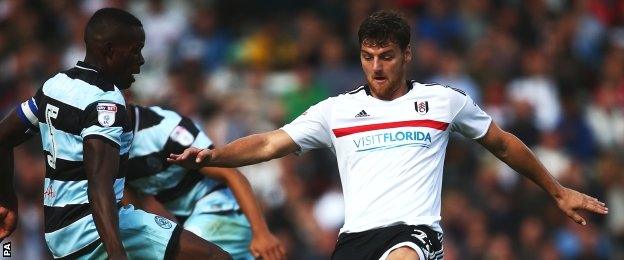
[{"x": 51, "y": 112}]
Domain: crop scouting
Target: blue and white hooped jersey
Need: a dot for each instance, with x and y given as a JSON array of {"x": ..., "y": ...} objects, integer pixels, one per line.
[
  {"x": 71, "y": 107},
  {"x": 390, "y": 153},
  {"x": 158, "y": 133}
]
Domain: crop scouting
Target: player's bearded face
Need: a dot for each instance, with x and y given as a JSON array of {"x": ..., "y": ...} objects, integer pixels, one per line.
[{"x": 384, "y": 66}]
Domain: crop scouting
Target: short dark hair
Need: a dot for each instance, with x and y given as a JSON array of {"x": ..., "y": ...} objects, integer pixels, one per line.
[
  {"x": 107, "y": 21},
  {"x": 383, "y": 27}
]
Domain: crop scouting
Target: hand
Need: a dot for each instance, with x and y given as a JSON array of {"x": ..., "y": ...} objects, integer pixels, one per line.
[
  {"x": 8, "y": 215},
  {"x": 267, "y": 247},
  {"x": 570, "y": 201},
  {"x": 192, "y": 158}
]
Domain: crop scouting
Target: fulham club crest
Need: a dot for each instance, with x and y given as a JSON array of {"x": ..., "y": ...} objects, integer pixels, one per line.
[{"x": 421, "y": 107}]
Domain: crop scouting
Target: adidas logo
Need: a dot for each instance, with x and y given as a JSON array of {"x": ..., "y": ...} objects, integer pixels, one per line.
[{"x": 361, "y": 114}]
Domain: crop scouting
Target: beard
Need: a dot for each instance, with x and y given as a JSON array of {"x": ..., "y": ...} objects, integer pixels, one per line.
[
  {"x": 386, "y": 88},
  {"x": 125, "y": 83}
]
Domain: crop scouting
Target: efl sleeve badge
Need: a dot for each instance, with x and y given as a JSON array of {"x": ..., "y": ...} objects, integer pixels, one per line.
[{"x": 106, "y": 113}]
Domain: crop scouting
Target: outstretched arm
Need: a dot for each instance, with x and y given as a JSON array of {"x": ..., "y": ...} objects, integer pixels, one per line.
[
  {"x": 248, "y": 150},
  {"x": 263, "y": 244},
  {"x": 509, "y": 149},
  {"x": 101, "y": 162},
  {"x": 12, "y": 133}
]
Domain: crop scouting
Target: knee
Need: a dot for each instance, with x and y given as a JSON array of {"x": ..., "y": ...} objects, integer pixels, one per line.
[{"x": 403, "y": 253}]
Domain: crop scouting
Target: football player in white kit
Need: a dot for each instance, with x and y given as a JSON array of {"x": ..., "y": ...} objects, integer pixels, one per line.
[{"x": 390, "y": 138}]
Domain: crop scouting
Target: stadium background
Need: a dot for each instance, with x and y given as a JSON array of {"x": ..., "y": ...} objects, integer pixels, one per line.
[{"x": 549, "y": 71}]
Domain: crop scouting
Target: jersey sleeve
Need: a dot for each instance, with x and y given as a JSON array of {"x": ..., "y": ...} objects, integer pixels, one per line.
[
  {"x": 185, "y": 135},
  {"x": 202, "y": 141},
  {"x": 310, "y": 130},
  {"x": 469, "y": 120},
  {"x": 106, "y": 120},
  {"x": 28, "y": 110}
]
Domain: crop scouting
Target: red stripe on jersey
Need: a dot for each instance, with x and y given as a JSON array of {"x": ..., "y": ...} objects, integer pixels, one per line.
[{"x": 340, "y": 132}]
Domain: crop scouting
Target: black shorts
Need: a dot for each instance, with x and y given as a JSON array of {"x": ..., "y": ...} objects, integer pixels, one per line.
[{"x": 372, "y": 244}]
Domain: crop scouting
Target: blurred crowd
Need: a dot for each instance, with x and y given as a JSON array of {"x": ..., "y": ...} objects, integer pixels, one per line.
[{"x": 549, "y": 71}]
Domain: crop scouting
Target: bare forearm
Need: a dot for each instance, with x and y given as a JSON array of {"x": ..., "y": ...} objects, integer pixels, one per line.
[
  {"x": 248, "y": 150},
  {"x": 6, "y": 172},
  {"x": 101, "y": 162},
  {"x": 519, "y": 157},
  {"x": 249, "y": 204},
  {"x": 12, "y": 134},
  {"x": 102, "y": 200}
]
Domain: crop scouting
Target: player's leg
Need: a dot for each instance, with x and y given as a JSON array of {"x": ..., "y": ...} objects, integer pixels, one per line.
[
  {"x": 393, "y": 242},
  {"x": 413, "y": 242},
  {"x": 190, "y": 245},
  {"x": 228, "y": 229},
  {"x": 403, "y": 253},
  {"x": 148, "y": 236},
  {"x": 144, "y": 236}
]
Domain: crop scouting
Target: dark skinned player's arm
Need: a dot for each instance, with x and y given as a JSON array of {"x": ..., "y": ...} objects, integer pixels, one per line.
[
  {"x": 242, "y": 191},
  {"x": 146, "y": 202},
  {"x": 263, "y": 244},
  {"x": 101, "y": 162},
  {"x": 12, "y": 133}
]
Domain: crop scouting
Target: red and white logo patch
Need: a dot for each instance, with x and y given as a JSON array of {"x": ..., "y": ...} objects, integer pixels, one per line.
[
  {"x": 182, "y": 136},
  {"x": 106, "y": 113}
]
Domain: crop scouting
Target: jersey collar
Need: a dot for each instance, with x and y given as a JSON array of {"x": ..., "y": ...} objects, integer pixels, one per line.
[{"x": 85, "y": 66}]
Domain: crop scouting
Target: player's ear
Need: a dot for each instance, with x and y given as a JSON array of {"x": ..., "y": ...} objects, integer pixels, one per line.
[
  {"x": 108, "y": 50},
  {"x": 407, "y": 54}
]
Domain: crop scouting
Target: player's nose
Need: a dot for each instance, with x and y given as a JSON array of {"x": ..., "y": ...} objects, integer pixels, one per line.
[
  {"x": 377, "y": 66},
  {"x": 141, "y": 60}
]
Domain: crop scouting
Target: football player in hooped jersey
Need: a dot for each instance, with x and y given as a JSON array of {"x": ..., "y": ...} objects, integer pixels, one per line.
[
  {"x": 80, "y": 115},
  {"x": 390, "y": 137},
  {"x": 216, "y": 204}
]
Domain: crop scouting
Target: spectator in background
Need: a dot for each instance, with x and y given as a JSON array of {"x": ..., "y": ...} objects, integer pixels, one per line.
[
  {"x": 426, "y": 54},
  {"x": 611, "y": 179},
  {"x": 451, "y": 73},
  {"x": 523, "y": 123},
  {"x": 440, "y": 24},
  {"x": 605, "y": 112},
  {"x": 590, "y": 31},
  {"x": 203, "y": 41},
  {"x": 251, "y": 108},
  {"x": 531, "y": 233},
  {"x": 310, "y": 33},
  {"x": 538, "y": 89},
  {"x": 550, "y": 152},
  {"x": 474, "y": 17},
  {"x": 164, "y": 23},
  {"x": 73, "y": 17},
  {"x": 334, "y": 69},
  {"x": 307, "y": 92},
  {"x": 576, "y": 136}
]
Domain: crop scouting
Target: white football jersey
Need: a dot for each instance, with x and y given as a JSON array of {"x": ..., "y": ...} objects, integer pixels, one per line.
[{"x": 390, "y": 153}]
